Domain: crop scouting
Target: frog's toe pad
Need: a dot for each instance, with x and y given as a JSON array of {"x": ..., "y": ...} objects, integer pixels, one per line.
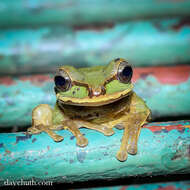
[
  {"x": 108, "y": 131},
  {"x": 121, "y": 155},
  {"x": 58, "y": 138},
  {"x": 82, "y": 141},
  {"x": 132, "y": 149}
]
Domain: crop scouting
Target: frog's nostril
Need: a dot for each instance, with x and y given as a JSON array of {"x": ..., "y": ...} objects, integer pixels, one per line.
[{"x": 96, "y": 92}]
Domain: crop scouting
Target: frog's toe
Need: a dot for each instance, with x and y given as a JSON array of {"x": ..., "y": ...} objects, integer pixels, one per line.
[
  {"x": 82, "y": 141},
  {"x": 132, "y": 149},
  {"x": 108, "y": 131},
  {"x": 57, "y": 138},
  {"x": 121, "y": 155}
]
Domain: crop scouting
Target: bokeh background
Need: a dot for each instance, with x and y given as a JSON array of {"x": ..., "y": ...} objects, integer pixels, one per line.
[{"x": 36, "y": 37}]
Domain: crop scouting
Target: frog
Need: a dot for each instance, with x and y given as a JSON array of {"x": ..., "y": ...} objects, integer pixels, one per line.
[{"x": 98, "y": 98}]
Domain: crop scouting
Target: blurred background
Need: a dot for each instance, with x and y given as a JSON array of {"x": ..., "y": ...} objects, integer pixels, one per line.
[{"x": 36, "y": 37}]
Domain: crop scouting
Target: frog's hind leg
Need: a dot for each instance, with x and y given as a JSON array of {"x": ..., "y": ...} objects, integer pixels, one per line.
[{"x": 42, "y": 122}]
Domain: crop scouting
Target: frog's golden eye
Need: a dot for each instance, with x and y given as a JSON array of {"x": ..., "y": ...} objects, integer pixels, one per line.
[
  {"x": 124, "y": 72},
  {"x": 62, "y": 82}
]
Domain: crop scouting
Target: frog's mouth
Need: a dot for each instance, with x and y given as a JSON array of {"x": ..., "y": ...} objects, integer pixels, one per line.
[{"x": 94, "y": 101}]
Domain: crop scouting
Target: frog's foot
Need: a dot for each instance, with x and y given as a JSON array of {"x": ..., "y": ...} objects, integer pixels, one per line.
[
  {"x": 122, "y": 155},
  {"x": 82, "y": 141},
  {"x": 41, "y": 128},
  {"x": 132, "y": 148},
  {"x": 42, "y": 120},
  {"x": 129, "y": 141},
  {"x": 101, "y": 128},
  {"x": 134, "y": 128},
  {"x": 53, "y": 135},
  {"x": 73, "y": 128}
]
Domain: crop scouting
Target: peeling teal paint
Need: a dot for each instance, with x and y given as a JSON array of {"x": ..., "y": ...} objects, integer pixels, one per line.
[
  {"x": 83, "y": 12},
  {"x": 153, "y": 42},
  {"x": 164, "y": 100},
  {"x": 164, "y": 152},
  {"x": 179, "y": 185}
]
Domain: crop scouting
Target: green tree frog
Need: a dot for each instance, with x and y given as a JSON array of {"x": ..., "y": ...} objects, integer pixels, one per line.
[{"x": 98, "y": 98}]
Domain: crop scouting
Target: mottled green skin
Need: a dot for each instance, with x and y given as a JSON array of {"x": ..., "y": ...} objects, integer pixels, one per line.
[{"x": 95, "y": 78}]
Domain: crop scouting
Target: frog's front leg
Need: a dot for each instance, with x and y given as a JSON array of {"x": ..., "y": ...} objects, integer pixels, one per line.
[
  {"x": 42, "y": 122},
  {"x": 73, "y": 127}
]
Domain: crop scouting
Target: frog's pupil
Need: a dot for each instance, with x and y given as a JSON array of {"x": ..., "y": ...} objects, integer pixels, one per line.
[
  {"x": 60, "y": 81},
  {"x": 127, "y": 71}
]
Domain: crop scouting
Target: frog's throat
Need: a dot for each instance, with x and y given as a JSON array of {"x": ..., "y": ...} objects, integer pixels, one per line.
[{"x": 94, "y": 101}]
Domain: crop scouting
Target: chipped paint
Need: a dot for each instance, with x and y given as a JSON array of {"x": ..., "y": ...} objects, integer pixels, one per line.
[
  {"x": 34, "y": 50},
  {"x": 7, "y": 81},
  {"x": 81, "y": 156},
  {"x": 158, "y": 153},
  {"x": 65, "y": 12},
  {"x": 166, "y": 129},
  {"x": 33, "y": 140},
  {"x": 1, "y": 145},
  {"x": 23, "y": 138},
  {"x": 37, "y": 80},
  {"x": 165, "y": 75},
  {"x": 174, "y": 185}
]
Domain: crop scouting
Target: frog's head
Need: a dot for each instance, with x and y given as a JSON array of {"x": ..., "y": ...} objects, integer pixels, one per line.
[{"x": 94, "y": 86}]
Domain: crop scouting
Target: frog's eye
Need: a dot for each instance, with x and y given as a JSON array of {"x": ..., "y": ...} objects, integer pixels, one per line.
[
  {"x": 63, "y": 83},
  {"x": 124, "y": 72}
]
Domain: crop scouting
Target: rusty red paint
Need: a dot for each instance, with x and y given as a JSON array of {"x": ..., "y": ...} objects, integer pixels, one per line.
[
  {"x": 170, "y": 187},
  {"x": 6, "y": 81},
  {"x": 36, "y": 79},
  {"x": 123, "y": 188},
  {"x": 8, "y": 151},
  {"x": 168, "y": 128},
  {"x": 166, "y": 75}
]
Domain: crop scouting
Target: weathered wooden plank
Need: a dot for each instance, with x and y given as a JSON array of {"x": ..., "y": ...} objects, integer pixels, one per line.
[
  {"x": 165, "y": 89},
  {"x": 156, "y": 42},
  {"x": 80, "y": 12},
  {"x": 163, "y": 149}
]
